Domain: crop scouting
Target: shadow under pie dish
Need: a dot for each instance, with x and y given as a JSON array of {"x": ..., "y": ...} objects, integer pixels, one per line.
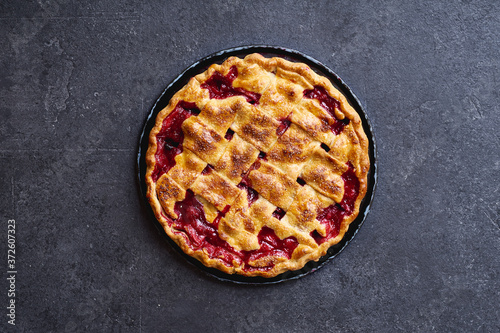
[{"x": 257, "y": 166}]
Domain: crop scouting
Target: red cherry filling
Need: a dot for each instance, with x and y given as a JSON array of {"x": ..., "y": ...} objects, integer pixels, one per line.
[
  {"x": 329, "y": 104},
  {"x": 169, "y": 139},
  {"x": 202, "y": 234},
  {"x": 245, "y": 181},
  {"x": 252, "y": 195},
  {"x": 221, "y": 214},
  {"x": 270, "y": 244},
  {"x": 166, "y": 160},
  {"x": 208, "y": 169},
  {"x": 351, "y": 189},
  {"x": 278, "y": 213},
  {"x": 220, "y": 87},
  {"x": 191, "y": 219},
  {"x": 301, "y": 181},
  {"x": 284, "y": 124},
  {"x": 333, "y": 215},
  {"x": 229, "y": 135}
]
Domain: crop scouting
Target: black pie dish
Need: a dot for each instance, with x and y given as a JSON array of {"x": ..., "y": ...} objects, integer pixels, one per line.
[{"x": 267, "y": 51}]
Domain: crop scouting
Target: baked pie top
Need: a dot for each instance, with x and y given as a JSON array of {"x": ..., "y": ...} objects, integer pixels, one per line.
[{"x": 257, "y": 166}]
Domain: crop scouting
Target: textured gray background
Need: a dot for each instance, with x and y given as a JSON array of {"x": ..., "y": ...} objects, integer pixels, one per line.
[{"x": 77, "y": 80}]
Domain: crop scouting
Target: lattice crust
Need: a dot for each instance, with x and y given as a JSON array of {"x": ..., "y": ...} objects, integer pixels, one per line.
[
  {"x": 169, "y": 192},
  {"x": 272, "y": 153},
  {"x": 203, "y": 140},
  {"x": 188, "y": 166},
  {"x": 283, "y": 93},
  {"x": 216, "y": 189},
  {"x": 220, "y": 114},
  {"x": 211, "y": 212},
  {"x": 318, "y": 128},
  {"x": 292, "y": 150},
  {"x": 256, "y": 127},
  {"x": 344, "y": 147},
  {"x": 304, "y": 210},
  {"x": 238, "y": 221},
  {"x": 323, "y": 172},
  {"x": 237, "y": 159},
  {"x": 273, "y": 184}
]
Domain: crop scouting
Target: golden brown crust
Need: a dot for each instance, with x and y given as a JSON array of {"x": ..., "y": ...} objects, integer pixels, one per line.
[
  {"x": 187, "y": 168},
  {"x": 169, "y": 192},
  {"x": 292, "y": 150},
  {"x": 256, "y": 127},
  {"x": 323, "y": 172},
  {"x": 203, "y": 140},
  {"x": 220, "y": 114},
  {"x": 274, "y": 185},
  {"x": 294, "y": 153},
  {"x": 237, "y": 159},
  {"x": 304, "y": 210},
  {"x": 216, "y": 189}
]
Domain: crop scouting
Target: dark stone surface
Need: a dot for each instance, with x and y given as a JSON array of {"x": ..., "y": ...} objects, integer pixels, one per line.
[{"x": 77, "y": 80}]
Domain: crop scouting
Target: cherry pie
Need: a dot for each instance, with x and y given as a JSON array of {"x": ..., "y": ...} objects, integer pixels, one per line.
[{"x": 257, "y": 166}]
